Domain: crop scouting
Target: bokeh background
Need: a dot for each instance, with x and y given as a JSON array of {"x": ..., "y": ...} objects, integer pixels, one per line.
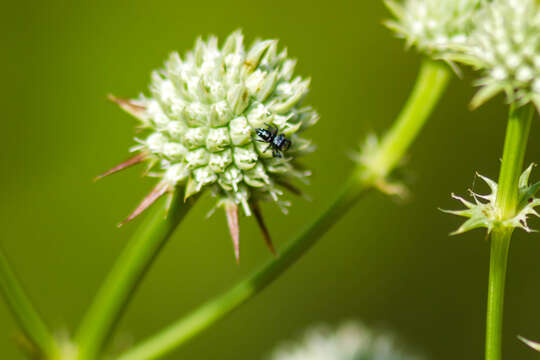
[{"x": 389, "y": 264}]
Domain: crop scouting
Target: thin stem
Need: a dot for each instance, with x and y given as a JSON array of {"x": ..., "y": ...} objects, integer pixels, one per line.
[
  {"x": 515, "y": 145},
  {"x": 500, "y": 244},
  {"x": 127, "y": 273},
  {"x": 206, "y": 315},
  {"x": 430, "y": 85},
  {"x": 507, "y": 201},
  {"x": 24, "y": 311}
]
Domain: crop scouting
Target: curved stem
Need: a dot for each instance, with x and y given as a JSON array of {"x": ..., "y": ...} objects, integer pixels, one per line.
[
  {"x": 206, "y": 315},
  {"x": 507, "y": 201},
  {"x": 430, "y": 85},
  {"x": 127, "y": 273},
  {"x": 24, "y": 311}
]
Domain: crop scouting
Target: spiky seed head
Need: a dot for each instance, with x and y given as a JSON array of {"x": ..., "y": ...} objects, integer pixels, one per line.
[
  {"x": 200, "y": 117},
  {"x": 433, "y": 26},
  {"x": 350, "y": 341},
  {"x": 482, "y": 212},
  {"x": 505, "y": 45}
]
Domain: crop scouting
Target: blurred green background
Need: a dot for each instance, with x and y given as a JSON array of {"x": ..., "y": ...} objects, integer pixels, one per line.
[{"x": 390, "y": 265}]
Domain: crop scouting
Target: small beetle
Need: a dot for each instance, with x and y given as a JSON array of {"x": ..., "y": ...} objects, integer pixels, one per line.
[{"x": 277, "y": 142}]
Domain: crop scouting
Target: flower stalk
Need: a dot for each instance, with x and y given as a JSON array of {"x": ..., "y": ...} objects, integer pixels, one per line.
[
  {"x": 500, "y": 244},
  {"x": 432, "y": 80},
  {"x": 515, "y": 145},
  {"x": 507, "y": 202},
  {"x": 24, "y": 311},
  {"x": 128, "y": 272},
  {"x": 429, "y": 87},
  {"x": 186, "y": 328}
]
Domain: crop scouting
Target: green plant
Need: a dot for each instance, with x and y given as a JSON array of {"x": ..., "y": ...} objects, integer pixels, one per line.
[{"x": 200, "y": 135}]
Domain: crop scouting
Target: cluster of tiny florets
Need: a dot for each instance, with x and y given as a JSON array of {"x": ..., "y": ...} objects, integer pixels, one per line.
[
  {"x": 484, "y": 213},
  {"x": 201, "y": 117},
  {"x": 350, "y": 341},
  {"x": 505, "y": 44},
  {"x": 433, "y": 26},
  {"x": 501, "y": 38}
]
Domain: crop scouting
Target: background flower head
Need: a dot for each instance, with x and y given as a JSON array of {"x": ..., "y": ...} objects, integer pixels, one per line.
[
  {"x": 350, "y": 341},
  {"x": 433, "y": 26},
  {"x": 505, "y": 45}
]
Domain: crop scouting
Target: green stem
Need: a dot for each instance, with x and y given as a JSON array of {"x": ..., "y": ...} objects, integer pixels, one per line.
[
  {"x": 500, "y": 244},
  {"x": 127, "y": 273},
  {"x": 515, "y": 145},
  {"x": 24, "y": 311},
  {"x": 507, "y": 201},
  {"x": 206, "y": 315},
  {"x": 430, "y": 84}
]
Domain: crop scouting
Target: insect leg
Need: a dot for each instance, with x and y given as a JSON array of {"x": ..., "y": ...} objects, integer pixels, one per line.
[{"x": 273, "y": 129}]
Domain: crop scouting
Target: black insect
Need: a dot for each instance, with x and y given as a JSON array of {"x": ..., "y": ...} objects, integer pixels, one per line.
[{"x": 277, "y": 142}]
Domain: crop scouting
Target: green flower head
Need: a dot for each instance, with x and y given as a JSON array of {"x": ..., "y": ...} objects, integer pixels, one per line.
[
  {"x": 199, "y": 123},
  {"x": 484, "y": 213}
]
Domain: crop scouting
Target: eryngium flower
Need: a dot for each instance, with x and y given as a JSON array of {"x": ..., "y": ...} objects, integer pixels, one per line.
[
  {"x": 505, "y": 44},
  {"x": 350, "y": 341},
  {"x": 433, "y": 26},
  {"x": 484, "y": 213},
  {"x": 200, "y": 121}
]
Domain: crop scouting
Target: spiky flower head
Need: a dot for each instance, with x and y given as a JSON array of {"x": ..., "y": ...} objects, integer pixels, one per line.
[
  {"x": 505, "y": 45},
  {"x": 484, "y": 213},
  {"x": 200, "y": 118},
  {"x": 433, "y": 26},
  {"x": 350, "y": 341}
]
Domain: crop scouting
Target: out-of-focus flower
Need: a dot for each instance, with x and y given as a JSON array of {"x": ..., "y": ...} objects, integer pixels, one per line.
[
  {"x": 433, "y": 26},
  {"x": 505, "y": 45},
  {"x": 199, "y": 125},
  {"x": 350, "y": 341},
  {"x": 483, "y": 212}
]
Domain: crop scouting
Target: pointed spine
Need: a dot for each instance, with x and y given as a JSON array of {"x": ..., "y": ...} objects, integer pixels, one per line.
[
  {"x": 260, "y": 221},
  {"x": 231, "y": 210},
  {"x": 137, "y": 159},
  {"x": 151, "y": 198}
]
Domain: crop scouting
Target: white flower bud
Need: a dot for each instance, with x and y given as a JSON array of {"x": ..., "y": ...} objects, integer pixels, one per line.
[
  {"x": 156, "y": 142},
  {"x": 176, "y": 173},
  {"x": 220, "y": 161},
  {"x": 218, "y": 139},
  {"x": 240, "y": 131}
]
